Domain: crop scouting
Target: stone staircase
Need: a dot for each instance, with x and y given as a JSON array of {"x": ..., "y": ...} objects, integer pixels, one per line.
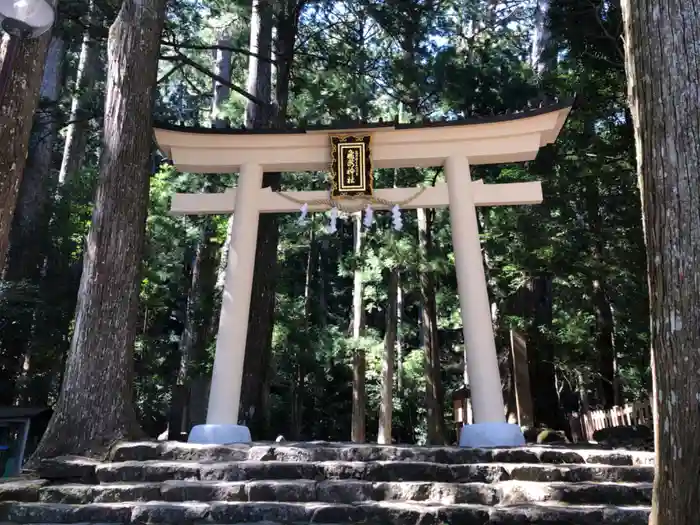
[{"x": 326, "y": 483}]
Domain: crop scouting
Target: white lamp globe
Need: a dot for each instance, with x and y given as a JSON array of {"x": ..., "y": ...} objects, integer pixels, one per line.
[{"x": 26, "y": 18}]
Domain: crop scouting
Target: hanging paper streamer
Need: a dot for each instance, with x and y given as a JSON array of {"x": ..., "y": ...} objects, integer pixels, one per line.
[
  {"x": 369, "y": 216},
  {"x": 304, "y": 211},
  {"x": 396, "y": 218},
  {"x": 332, "y": 227}
]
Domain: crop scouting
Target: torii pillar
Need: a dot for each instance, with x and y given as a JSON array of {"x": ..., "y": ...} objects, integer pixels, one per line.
[{"x": 490, "y": 428}]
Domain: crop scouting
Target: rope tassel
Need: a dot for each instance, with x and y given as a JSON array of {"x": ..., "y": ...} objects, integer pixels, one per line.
[
  {"x": 304, "y": 212},
  {"x": 396, "y": 217},
  {"x": 369, "y": 216},
  {"x": 332, "y": 226}
]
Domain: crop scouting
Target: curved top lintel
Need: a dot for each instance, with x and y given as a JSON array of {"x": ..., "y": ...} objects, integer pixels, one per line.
[{"x": 501, "y": 139}]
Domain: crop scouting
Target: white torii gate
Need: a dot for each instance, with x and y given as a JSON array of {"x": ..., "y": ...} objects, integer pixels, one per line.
[{"x": 452, "y": 145}]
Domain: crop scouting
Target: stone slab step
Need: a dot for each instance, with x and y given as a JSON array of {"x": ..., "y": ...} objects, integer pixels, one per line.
[
  {"x": 324, "y": 451},
  {"x": 338, "y": 491},
  {"x": 319, "y": 513},
  {"x": 367, "y": 471}
]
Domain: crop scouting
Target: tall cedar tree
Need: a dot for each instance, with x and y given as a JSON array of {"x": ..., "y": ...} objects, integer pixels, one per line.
[
  {"x": 95, "y": 407},
  {"x": 19, "y": 97},
  {"x": 662, "y": 52}
]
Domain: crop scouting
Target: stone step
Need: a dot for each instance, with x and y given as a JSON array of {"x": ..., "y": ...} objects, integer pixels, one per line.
[
  {"x": 323, "y": 451},
  {"x": 386, "y": 513},
  {"x": 338, "y": 491},
  {"x": 367, "y": 471}
]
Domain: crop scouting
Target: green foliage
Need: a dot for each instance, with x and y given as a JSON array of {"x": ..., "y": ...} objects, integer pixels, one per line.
[{"x": 387, "y": 59}]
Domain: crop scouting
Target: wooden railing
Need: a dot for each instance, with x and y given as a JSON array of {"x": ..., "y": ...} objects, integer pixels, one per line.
[{"x": 584, "y": 425}]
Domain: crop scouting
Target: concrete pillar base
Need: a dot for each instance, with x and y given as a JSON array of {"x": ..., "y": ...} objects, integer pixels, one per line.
[
  {"x": 487, "y": 435},
  {"x": 219, "y": 434}
]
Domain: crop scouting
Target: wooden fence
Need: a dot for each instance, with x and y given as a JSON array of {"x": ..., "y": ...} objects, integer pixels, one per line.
[{"x": 584, "y": 425}]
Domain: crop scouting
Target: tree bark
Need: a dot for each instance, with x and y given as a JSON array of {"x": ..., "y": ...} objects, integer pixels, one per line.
[
  {"x": 359, "y": 394},
  {"x": 387, "y": 379},
  {"x": 661, "y": 51},
  {"x": 95, "y": 407},
  {"x": 29, "y": 236},
  {"x": 437, "y": 431},
  {"x": 16, "y": 118}
]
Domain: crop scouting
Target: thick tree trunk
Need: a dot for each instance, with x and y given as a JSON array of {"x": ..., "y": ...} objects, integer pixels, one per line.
[
  {"x": 545, "y": 398},
  {"x": 255, "y": 386},
  {"x": 82, "y": 104},
  {"x": 359, "y": 394},
  {"x": 61, "y": 280},
  {"x": 96, "y": 403},
  {"x": 661, "y": 50},
  {"x": 387, "y": 380},
  {"x": 437, "y": 431},
  {"x": 16, "y": 117},
  {"x": 29, "y": 236},
  {"x": 256, "y": 382}
]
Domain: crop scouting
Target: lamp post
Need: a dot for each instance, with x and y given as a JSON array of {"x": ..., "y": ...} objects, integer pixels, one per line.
[{"x": 21, "y": 19}]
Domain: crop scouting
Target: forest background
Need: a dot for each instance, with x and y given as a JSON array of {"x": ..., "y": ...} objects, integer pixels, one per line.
[{"x": 568, "y": 275}]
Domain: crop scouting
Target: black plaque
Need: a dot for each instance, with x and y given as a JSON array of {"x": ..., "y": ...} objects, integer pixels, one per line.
[{"x": 351, "y": 166}]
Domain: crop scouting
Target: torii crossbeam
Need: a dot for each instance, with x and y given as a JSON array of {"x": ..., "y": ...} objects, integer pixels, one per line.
[
  {"x": 288, "y": 201},
  {"x": 454, "y": 145}
]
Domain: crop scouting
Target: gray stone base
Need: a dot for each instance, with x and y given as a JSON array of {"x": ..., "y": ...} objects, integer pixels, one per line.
[
  {"x": 489, "y": 435},
  {"x": 219, "y": 434}
]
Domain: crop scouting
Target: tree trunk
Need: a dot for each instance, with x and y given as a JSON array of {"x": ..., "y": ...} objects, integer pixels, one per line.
[
  {"x": 82, "y": 104},
  {"x": 437, "y": 431},
  {"x": 605, "y": 329},
  {"x": 521, "y": 378},
  {"x": 61, "y": 278},
  {"x": 95, "y": 407},
  {"x": 545, "y": 398},
  {"x": 359, "y": 394},
  {"x": 200, "y": 315},
  {"x": 198, "y": 318},
  {"x": 399, "y": 340},
  {"x": 29, "y": 239},
  {"x": 661, "y": 43},
  {"x": 387, "y": 384},
  {"x": 304, "y": 345},
  {"x": 16, "y": 118},
  {"x": 255, "y": 390},
  {"x": 541, "y": 56},
  {"x": 605, "y": 345},
  {"x": 322, "y": 285}
]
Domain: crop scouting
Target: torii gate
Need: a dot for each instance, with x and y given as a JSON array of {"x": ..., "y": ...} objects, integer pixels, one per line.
[{"x": 454, "y": 144}]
